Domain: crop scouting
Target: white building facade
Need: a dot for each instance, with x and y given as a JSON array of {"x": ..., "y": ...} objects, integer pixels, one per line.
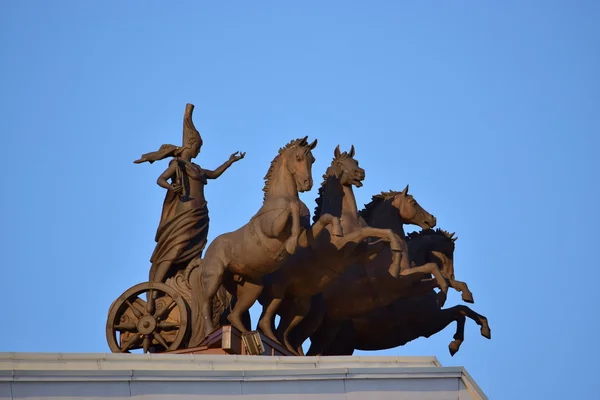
[{"x": 71, "y": 376}]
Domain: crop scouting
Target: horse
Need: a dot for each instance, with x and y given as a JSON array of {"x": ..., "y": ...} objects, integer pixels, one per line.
[
  {"x": 261, "y": 245},
  {"x": 403, "y": 321},
  {"x": 366, "y": 293},
  {"x": 290, "y": 289}
]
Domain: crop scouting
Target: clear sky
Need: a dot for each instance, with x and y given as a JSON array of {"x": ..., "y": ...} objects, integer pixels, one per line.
[{"x": 489, "y": 110}]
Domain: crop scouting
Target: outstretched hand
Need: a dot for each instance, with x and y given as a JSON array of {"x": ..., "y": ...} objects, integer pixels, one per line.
[{"x": 236, "y": 156}]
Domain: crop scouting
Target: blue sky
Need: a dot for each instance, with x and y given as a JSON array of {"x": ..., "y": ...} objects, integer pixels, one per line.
[{"x": 489, "y": 110}]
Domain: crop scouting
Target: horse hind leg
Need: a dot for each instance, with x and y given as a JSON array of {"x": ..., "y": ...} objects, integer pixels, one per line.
[
  {"x": 479, "y": 319},
  {"x": 344, "y": 343},
  {"x": 436, "y": 321},
  {"x": 310, "y": 323},
  {"x": 290, "y": 320},
  {"x": 324, "y": 336},
  {"x": 265, "y": 324},
  {"x": 247, "y": 294},
  {"x": 459, "y": 335}
]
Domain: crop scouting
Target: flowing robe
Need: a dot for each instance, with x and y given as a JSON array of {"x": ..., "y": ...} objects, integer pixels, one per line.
[{"x": 183, "y": 229}]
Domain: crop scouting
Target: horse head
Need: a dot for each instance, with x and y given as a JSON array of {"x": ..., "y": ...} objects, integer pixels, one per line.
[
  {"x": 411, "y": 212},
  {"x": 298, "y": 159},
  {"x": 435, "y": 246},
  {"x": 346, "y": 168},
  {"x": 292, "y": 167}
]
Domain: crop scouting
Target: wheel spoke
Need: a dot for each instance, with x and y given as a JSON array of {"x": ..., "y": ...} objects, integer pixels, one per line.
[
  {"x": 168, "y": 326},
  {"x": 135, "y": 311},
  {"x": 162, "y": 313},
  {"x": 161, "y": 340},
  {"x": 150, "y": 302},
  {"x": 130, "y": 327},
  {"x": 134, "y": 341},
  {"x": 147, "y": 343}
]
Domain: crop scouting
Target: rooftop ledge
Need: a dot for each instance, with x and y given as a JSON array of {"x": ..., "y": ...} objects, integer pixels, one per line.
[{"x": 109, "y": 367}]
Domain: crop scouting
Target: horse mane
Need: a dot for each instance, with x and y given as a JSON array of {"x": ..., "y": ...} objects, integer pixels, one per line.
[
  {"x": 376, "y": 200},
  {"x": 275, "y": 162},
  {"x": 326, "y": 176},
  {"x": 429, "y": 232}
]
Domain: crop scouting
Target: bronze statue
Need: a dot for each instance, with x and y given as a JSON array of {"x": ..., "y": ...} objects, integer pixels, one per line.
[
  {"x": 183, "y": 228},
  {"x": 351, "y": 280},
  {"x": 310, "y": 272},
  {"x": 158, "y": 321},
  {"x": 406, "y": 319},
  {"x": 263, "y": 244},
  {"x": 395, "y": 315},
  {"x": 387, "y": 212}
]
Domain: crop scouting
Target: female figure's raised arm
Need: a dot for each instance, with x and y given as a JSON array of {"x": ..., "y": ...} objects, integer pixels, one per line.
[{"x": 217, "y": 172}]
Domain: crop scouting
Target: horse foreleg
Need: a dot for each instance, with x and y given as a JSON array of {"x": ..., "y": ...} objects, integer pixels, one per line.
[
  {"x": 373, "y": 249},
  {"x": 328, "y": 219},
  {"x": 247, "y": 294},
  {"x": 429, "y": 268},
  {"x": 308, "y": 235},
  {"x": 292, "y": 242},
  {"x": 462, "y": 287},
  {"x": 398, "y": 246}
]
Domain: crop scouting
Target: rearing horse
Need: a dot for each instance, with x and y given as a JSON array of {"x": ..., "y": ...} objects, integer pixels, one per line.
[
  {"x": 388, "y": 210},
  {"x": 262, "y": 245},
  {"x": 397, "y": 315},
  {"x": 311, "y": 270}
]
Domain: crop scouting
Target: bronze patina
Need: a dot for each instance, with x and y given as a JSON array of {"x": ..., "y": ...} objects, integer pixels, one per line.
[{"x": 346, "y": 280}]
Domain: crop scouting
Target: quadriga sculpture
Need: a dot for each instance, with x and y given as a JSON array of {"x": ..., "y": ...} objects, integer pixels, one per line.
[
  {"x": 415, "y": 311},
  {"x": 306, "y": 274},
  {"x": 263, "y": 244}
]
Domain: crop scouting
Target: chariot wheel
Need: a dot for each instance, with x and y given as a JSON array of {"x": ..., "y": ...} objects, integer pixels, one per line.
[{"x": 155, "y": 324}]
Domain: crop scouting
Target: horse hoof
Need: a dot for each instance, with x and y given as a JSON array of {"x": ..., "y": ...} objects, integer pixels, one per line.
[
  {"x": 337, "y": 231},
  {"x": 486, "y": 332},
  {"x": 290, "y": 246},
  {"x": 268, "y": 333},
  {"x": 453, "y": 347},
  {"x": 394, "y": 270},
  {"x": 468, "y": 298}
]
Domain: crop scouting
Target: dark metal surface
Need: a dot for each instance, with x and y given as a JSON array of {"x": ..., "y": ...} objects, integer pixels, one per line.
[{"x": 349, "y": 280}]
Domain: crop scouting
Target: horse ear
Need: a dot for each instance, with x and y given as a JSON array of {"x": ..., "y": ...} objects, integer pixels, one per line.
[
  {"x": 313, "y": 144},
  {"x": 304, "y": 140},
  {"x": 455, "y": 239},
  {"x": 405, "y": 191},
  {"x": 351, "y": 151},
  {"x": 336, "y": 152}
]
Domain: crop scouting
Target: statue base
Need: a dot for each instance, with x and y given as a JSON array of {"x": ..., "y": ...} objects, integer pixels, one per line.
[
  {"x": 99, "y": 376},
  {"x": 229, "y": 340}
]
